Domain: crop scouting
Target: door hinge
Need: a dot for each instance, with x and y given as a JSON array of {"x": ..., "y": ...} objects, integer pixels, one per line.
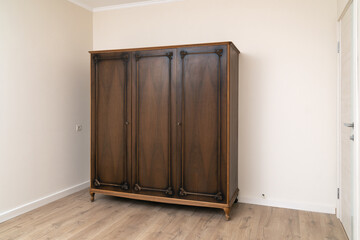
[
  {"x": 338, "y": 47},
  {"x": 338, "y": 193}
]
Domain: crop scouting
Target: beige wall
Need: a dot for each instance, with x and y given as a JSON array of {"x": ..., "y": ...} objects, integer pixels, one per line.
[
  {"x": 44, "y": 92},
  {"x": 287, "y": 88}
]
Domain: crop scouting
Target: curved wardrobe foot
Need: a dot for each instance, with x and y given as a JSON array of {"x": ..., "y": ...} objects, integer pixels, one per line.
[
  {"x": 227, "y": 213},
  {"x": 92, "y": 195}
]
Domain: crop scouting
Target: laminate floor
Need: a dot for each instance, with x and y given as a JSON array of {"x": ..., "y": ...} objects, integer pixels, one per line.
[{"x": 75, "y": 217}]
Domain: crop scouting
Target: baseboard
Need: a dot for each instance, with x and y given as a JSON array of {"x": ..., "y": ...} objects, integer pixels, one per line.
[
  {"x": 291, "y": 205},
  {"x": 4, "y": 216}
]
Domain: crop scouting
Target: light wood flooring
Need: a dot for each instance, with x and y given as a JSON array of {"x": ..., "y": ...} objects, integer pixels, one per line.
[{"x": 75, "y": 217}]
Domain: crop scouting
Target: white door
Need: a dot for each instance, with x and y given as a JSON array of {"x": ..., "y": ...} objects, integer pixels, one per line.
[{"x": 347, "y": 120}]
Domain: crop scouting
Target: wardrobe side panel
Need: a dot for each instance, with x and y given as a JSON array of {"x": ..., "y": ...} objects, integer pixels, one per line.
[{"x": 234, "y": 119}]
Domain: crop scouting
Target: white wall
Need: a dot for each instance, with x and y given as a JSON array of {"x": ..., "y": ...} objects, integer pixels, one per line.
[
  {"x": 44, "y": 92},
  {"x": 287, "y": 88}
]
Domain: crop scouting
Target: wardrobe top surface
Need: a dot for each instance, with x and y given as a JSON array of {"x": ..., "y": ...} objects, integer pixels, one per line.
[{"x": 166, "y": 47}]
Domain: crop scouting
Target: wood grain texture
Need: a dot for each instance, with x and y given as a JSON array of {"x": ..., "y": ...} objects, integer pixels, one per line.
[
  {"x": 160, "y": 198},
  {"x": 200, "y": 121},
  {"x": 233, "y": 118},
  {"x": 165, "y": 47},
  {"x": 153, "y": 76},
  {"x": 111, "y": 118},
  {"x": 203, "y": 121},
  {"x": 160, "y": 124},
  {"x": 75, "y": 217}
]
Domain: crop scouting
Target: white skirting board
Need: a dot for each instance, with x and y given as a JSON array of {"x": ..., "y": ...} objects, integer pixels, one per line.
[
  {"x": 42, "y": 201},
  {"x": 290, "y": 205},
  {"x": 63, "y": 193}
]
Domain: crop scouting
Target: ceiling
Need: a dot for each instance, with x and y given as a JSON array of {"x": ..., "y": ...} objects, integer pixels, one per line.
[{"x": 102, "y": 5}]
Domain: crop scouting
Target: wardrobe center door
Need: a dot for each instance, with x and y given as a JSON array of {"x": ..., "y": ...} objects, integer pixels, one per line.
[
  {"x": 112, "y": 108},
  {"x": 202, "y": 72},
  {"x": 153, "y": 106}
]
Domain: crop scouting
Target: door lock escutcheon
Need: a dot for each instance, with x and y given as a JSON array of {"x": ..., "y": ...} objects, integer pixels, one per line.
[{"x": 351, "y": 125}]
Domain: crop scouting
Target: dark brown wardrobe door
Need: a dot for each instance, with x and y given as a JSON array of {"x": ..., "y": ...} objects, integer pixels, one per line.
[
  {"x": 154, "y": 114},
  {"x": 112, "y": 109},
  {"x": 202, "y": 113}
]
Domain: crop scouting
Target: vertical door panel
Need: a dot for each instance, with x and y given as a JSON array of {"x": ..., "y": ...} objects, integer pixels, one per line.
[
  {"x": 111, "y": 122},
  {"x": 203, "y": 166},
  {"x": 347, "y": 117},
  {"x": 153, "y": 145}
]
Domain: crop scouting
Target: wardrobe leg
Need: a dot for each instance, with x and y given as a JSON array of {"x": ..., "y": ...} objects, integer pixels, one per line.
[
  {"x": 92, "y": 195},
  {"x": 227, "y": 213}
]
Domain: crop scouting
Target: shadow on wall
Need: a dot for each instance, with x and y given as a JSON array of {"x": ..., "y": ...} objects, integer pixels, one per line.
[{"x": 251, "y": 84}]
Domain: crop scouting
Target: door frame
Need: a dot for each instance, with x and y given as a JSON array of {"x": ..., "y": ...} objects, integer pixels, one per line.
[
  {"x": 356, "y": 223},
  {"x": 356, "y": 38}
]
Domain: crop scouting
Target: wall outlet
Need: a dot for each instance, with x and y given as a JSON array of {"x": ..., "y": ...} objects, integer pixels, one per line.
[
  {"x": 78, "y": 127},
  {"x": 263, "y": 195}
]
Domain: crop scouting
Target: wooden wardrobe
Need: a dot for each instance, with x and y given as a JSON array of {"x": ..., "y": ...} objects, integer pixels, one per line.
[{"x": 164, "y": 124}]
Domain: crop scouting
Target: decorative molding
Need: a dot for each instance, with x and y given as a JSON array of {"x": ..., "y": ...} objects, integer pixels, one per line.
[
  {"x": 80, "y": 4},
  {"x": 135, "y": 4},
  {"x": 137, "y": 57},
  {"x": 169, "y": 191},
  {"x": 137, "y": 187},
  {"x": 97, "y": 183},
  {"x": 183, "y": 54},
  {"x": 312, "y": 207},
  {"x": 4, "y": 216},
  {"x": 96, "y": 59},
  {"x": 343, "y": 12},
  {"x": 218, "y": 196},
  {"x": 182, "y": 192},
  {"x": 219, "y": 52},
  {"x": 124, "y": 57},
  {"x": 169, "y": 55},
  {"x": 124, "y": 185},
  {"x": 120, "y": 6}
]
